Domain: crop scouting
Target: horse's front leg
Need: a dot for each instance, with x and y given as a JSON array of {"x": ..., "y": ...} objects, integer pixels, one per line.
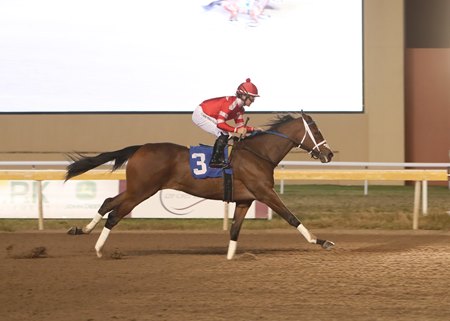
[
  {"x": 238, "y": 218},
  {"x": 272, "y": 200}
]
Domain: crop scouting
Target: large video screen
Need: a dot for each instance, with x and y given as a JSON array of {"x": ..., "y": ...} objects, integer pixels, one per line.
[{"x": 116, "y": 56}]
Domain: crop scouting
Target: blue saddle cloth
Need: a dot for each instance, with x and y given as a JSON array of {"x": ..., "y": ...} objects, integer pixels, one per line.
[{"x": 199, "y": 158}]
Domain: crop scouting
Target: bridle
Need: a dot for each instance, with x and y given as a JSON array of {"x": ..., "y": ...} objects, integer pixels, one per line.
[{"x": 315, "y": 150}]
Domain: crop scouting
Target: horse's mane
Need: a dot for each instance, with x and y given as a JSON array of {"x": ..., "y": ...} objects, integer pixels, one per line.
[
  {"x": 273, "y": 124},
  {"x": 278, "y": 121}
]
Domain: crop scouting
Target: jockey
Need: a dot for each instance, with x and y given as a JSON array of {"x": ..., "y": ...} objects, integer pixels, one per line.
[{"x": 212, "y": 114}]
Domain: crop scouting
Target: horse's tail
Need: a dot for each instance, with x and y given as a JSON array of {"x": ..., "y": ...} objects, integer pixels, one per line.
[{"x": 82, "y": 164}]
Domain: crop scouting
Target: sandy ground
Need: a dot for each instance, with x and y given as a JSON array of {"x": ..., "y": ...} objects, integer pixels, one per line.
[{"x": 369, "y": 275}]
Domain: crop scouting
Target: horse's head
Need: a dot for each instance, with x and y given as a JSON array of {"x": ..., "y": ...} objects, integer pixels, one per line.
[
  {"x": 302, "y": 132},
  {"x": 313, "y": 141}
]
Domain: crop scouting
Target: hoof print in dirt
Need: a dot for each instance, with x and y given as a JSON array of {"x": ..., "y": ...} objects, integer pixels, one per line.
[
  {"x": 39, "y": 252},
  {"x": 117, "y": 255},
  {"x": 9, "y": 250}
]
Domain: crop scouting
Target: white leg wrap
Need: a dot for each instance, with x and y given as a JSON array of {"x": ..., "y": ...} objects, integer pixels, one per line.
[
  {"x": 308, "y": 236},
  {"x": 101, "y": 241},
  {"x": 231, "y": 249},
  {"x": 88, "y": 228}
]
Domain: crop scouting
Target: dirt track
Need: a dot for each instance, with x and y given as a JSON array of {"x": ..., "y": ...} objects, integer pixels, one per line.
[{"x": 185, "y": 276}]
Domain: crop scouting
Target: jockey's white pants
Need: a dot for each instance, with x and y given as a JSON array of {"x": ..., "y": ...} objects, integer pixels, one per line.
[{"x": 207, "y": 123}]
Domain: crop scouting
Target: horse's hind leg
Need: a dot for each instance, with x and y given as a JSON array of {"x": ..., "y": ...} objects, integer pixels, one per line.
[
  {"x": 120, "y": 211},
  {"x": 238, "y": 219},
  {"x": 107, "y": 206}
]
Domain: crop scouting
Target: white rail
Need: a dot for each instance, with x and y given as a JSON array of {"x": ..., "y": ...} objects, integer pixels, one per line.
[
  {"x": 366, "y": 165},
  {"x": 281, "y": 173}
]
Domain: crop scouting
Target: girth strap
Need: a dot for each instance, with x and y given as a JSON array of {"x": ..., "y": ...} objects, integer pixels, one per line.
[{"x": 227, "y": 187}]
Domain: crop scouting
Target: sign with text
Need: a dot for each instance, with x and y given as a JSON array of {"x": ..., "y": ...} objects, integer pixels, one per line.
[
  {"x": 72, "y": 199},
  {"x": 82, "y": 199}
]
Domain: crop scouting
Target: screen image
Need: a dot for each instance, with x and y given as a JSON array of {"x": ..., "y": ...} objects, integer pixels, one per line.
[{"x": 136, "y": 56}]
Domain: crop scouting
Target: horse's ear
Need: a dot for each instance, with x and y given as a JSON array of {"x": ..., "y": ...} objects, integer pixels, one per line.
[{"x": 305, "y": 116}]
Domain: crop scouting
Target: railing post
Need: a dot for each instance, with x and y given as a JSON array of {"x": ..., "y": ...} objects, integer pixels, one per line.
[
  {"x": 416, "y": 205},
  {"x": 225, "y": 215},
  {"x": 366, "y": 185},
  {"x": 40, "y": 206},
  {"x": 425, "y": 197}
]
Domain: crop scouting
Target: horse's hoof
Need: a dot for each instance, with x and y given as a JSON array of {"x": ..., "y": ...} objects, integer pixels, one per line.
[
  {"x": 98, "y": 251},
  {"x": 327, "y": 245},
  {"x": 75, "y": 231}
]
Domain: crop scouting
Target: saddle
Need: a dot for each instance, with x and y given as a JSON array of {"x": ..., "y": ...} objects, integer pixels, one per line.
[{"x": 199, "y": 158}]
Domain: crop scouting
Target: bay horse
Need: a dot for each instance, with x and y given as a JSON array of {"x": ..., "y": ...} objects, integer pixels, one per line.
[{"x": 156, "y": 166}]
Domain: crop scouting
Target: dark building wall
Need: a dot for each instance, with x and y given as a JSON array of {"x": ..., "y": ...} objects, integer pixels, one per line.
[
  {"x": 427, "y": 80},
  {"x": 427, "y": 23}
]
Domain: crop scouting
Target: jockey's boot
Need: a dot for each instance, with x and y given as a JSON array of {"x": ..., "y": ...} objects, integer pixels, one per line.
[{"x": 218, "y": 157}]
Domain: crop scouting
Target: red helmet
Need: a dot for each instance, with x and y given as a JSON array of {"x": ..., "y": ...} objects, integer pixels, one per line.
[{"x": 247, "y": 88}]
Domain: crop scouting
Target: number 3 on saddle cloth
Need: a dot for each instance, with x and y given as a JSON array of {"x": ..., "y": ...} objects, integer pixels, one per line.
[{"x": 199, "y": 158}]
